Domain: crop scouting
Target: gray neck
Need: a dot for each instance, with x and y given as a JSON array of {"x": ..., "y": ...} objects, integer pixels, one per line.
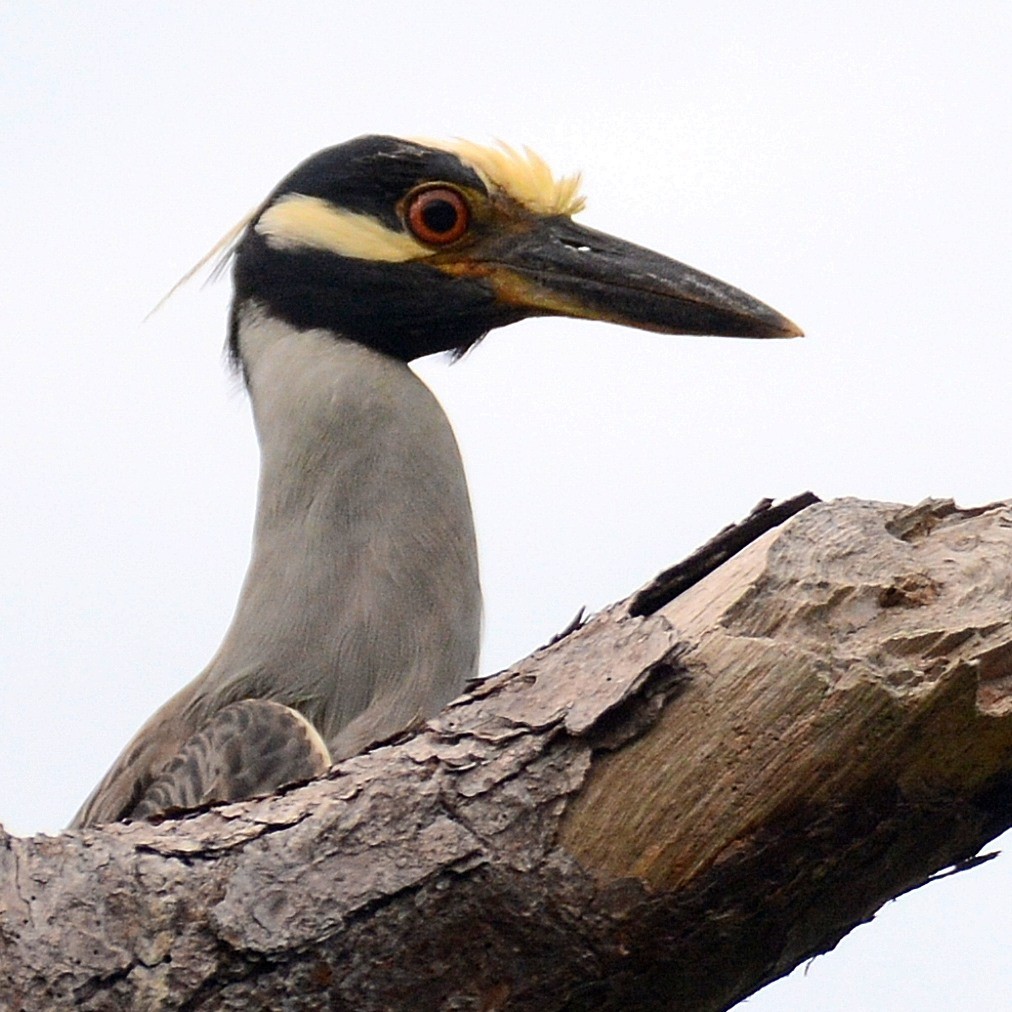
[{"x": 361, "y": 606}]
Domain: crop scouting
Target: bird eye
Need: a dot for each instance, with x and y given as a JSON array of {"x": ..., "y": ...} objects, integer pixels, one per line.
[{"x": 438, "y": 215}]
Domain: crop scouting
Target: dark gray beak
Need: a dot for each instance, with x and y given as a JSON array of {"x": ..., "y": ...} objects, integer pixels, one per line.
[{"x": 563, "y": 269}]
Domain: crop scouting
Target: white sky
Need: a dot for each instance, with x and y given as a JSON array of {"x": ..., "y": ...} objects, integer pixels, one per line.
[{"x": 848, "y": 164}]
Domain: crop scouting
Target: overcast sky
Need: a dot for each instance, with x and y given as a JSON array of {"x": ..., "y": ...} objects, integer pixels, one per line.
[{"x": 848, "y": 164}]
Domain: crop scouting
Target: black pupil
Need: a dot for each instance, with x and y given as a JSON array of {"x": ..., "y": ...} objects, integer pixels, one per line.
[{"x": 439, "y": 215}]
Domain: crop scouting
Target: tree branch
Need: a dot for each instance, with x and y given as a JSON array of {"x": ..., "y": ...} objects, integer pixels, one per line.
[{"x": 674, "y": 804}]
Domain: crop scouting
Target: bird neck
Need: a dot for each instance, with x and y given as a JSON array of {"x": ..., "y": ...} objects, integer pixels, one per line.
[{"x": 364, "y": 566}]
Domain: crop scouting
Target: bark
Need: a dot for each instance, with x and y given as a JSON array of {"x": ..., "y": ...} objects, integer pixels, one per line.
[{"x": 675, "y": 803}]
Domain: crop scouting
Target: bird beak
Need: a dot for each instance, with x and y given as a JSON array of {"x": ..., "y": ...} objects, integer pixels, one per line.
[{"x": 559, "y": 268}]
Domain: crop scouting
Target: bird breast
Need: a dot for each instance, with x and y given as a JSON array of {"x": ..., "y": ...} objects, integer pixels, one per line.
[{"x": 361, "y": 606}]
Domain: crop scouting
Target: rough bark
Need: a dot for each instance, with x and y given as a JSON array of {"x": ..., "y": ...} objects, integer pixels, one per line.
[{"x": 674, "y": 804}]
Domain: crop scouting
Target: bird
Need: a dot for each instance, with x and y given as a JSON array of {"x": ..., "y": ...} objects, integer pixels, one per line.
[{"x": 360, "y": 613}]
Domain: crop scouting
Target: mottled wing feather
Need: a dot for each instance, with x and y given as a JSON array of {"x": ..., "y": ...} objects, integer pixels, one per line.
[
  {"x": 150, "y": 750},
  {"x": 247, "y": 749}
]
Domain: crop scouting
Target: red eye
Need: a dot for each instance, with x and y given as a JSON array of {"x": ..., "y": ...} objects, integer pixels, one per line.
[{"x": 438, "y": 215}]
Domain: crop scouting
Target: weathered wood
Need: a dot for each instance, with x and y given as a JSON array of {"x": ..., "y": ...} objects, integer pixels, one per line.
[
  {"x": 661, "y": 810},
  {"x": 677, "y": 579}
]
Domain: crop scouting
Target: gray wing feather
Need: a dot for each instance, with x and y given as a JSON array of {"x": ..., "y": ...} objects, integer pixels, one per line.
[
  {"x": 250, "y": 748},
  {"x": 145, "y": 756}
]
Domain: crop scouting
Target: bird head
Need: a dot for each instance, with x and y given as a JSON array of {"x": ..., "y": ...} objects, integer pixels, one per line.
[{"x": 413, "y": 248}]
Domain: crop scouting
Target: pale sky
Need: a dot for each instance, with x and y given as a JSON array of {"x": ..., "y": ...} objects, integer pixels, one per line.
[{"x": 849, "y": 165}]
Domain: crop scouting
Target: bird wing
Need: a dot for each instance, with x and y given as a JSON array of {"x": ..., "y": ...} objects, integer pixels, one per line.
[
  {"x": 150, "y": 750},
  {"x": 250, "y": 748},
  {"x": 179, "y": 760}
]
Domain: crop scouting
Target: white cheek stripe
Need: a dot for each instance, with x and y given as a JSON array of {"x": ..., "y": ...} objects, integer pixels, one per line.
[{"x": 296, "y": 220}]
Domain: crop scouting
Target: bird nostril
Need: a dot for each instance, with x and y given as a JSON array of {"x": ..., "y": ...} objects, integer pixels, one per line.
[{"x": 580, "y": 247}]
